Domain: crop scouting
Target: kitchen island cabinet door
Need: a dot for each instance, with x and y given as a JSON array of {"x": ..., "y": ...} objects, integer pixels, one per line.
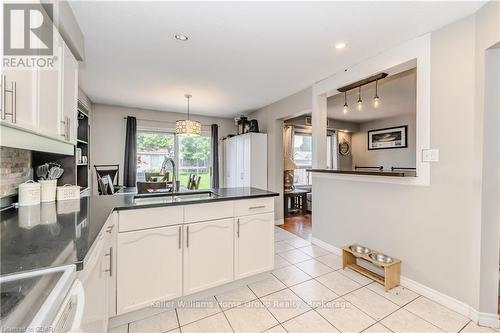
[
  {"x": 208, "y": 255},
  {"x": 149, "y": 267},
  {"x": 254, "y": 244}
]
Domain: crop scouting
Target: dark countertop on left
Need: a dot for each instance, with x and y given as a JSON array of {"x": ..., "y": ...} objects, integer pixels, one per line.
[{"x": 61, "y": 233}]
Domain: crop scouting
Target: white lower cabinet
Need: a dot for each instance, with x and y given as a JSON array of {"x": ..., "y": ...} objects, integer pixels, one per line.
[
  {"x": 168, "y": 252},
  {"x": 253, "y": 244},
  {"x": 208, "y": 255},
  {"x": 149, "y": 267}
]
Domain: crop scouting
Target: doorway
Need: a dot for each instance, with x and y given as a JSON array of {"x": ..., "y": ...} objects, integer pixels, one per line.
[{"x": 297, "y": 181}]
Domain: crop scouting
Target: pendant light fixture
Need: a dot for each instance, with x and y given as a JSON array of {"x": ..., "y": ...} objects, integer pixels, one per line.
[
  {"x": 188, "y": 127},
  {"x": 376, "y": 99},
  {"x": 360, "y": 102},
  {"x": 346, "y": 107}
]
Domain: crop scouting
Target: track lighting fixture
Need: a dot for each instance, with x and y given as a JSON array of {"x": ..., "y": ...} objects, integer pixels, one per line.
[
  {"x": 376, "y": 99},
  {"x": 346, "y": 107},
  {"x": 360, "y": 102},
  {"x": 359, "y": 84}
]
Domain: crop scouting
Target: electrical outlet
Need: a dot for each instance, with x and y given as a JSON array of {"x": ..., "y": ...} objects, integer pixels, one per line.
[{"x": 430, "y": 155}]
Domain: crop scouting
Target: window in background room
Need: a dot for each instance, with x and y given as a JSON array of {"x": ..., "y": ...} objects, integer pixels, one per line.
[
  {"x": 302, "y": 156},
  {"x": 195, "y": 158},
  {"x": 152, "y": 147}
]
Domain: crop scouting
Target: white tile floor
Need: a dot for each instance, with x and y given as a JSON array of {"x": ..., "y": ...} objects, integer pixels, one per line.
[{"x": 309, "y": 292}]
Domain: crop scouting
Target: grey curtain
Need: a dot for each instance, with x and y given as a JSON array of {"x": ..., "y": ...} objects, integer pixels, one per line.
[
  {"x": 215, "y": 155},
  {"x": 130, "y": 166}
]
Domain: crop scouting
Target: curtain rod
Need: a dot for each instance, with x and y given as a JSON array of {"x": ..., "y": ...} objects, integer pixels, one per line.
[{"x": 166, "y": 121}]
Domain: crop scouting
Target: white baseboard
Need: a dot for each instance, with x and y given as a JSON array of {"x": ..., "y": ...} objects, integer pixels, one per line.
[
  {"x": 279, "y": 222},
  {"x": 327, "y": 246},
  {"x": 481, "y": 318}
]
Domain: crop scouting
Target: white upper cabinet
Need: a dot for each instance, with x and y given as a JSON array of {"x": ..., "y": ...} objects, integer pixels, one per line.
[
  {"x": 19, "y": 107},
  {"x": 50, "y": 93},
  {"x": 18, "y": 96},
  {"x": 43, "y": 100},
  {"x": 246, "y": 161},
  {"x": 70, "y": 94},
  {"x": 208, "y": 255}
]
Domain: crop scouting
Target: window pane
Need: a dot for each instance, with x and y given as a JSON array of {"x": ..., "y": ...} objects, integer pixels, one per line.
[
  {"x": 152, "y": 147},
  {"x": 194, "y": 158},
  {"x": 302, "y": 150}
]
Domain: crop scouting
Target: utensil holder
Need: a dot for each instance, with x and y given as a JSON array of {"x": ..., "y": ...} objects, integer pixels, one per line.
[{"x": 48, "y": 190}]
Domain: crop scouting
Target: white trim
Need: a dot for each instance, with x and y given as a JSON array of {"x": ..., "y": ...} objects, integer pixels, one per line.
[
  {"x": 416, "y": 51},
  {"x": 11, "y": 136},
  {"x": 279, "y": 221},
  {"x": 481, "y": 318},
  {"x": 326, "y": 246}
]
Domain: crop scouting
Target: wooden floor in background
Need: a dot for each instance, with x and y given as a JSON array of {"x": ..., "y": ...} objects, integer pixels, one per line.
[{"x": 299, "y": 224}]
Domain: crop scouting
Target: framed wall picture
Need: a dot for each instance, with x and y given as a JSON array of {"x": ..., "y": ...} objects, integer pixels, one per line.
[{"x": 388, "y": 138}]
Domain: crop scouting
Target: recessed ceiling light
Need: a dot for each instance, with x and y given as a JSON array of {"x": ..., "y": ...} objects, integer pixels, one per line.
[
  {"x": 181, "y": 37},
  {"x": 340, "y": 46}
]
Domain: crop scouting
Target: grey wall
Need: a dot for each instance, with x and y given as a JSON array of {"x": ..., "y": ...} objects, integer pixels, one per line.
[
  {"x": 401, "y": 157},
  {"x": 345, "y": 161},
  {"x": 415, "y": 223},
  {"x": 108, "y": 130},
  {"x": 271, "y": 122}
]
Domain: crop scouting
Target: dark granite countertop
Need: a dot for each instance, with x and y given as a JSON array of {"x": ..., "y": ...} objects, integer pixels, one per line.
[
  {"x": 60, "y": 233},
  {"x": 368, "y": 172}
]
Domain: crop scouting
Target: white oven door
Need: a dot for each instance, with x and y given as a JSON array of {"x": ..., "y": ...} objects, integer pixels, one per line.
[{"x": 70, "y": 315}]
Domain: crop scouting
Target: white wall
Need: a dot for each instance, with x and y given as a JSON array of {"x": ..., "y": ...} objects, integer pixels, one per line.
[
  {"x": 400, "y": 157},
  {"x": 436, "y": 229},
  {"x": 108, "y": 130},
  {"x": 271, "y": 122}
]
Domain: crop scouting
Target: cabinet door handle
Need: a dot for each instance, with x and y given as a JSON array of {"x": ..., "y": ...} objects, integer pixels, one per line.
[
  {"x": 68, "y": 126},
  {"x": 14, "y": 101},
  {"x": 2, "y": 93},
  {"x": 257, "y": 207},
  {"x": 63, "y": 134},
  {"x": 110, "y": 228},
  {"x": 180, "y": 231},
  {"x": 187, "y": 236},
  {"x": 110, "y": 255},
  {"x": 238, "y": 228}
]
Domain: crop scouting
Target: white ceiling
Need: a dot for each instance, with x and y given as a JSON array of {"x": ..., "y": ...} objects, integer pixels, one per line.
[
  {"x": 397, "y": 97},
  {"x": 240, "y": 55}
]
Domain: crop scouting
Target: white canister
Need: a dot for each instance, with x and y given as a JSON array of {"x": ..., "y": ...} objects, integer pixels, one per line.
[
  {"x": 29, "y": 193},
  {"x": 68, "y": 192},
  {"x": 48, "y": 190}
]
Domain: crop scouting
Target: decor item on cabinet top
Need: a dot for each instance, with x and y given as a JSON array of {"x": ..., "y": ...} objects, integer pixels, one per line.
[
  {"x": 254, "y": 126},
  {"x": 242, "y": 123}
]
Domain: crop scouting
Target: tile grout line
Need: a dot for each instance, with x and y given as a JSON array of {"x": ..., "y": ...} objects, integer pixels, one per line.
[{"x": 227, "y": 319}]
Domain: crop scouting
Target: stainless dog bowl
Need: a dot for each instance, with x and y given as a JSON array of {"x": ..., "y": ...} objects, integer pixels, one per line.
[
  {"x": 382, "y": 258},
  {"x": 360, "y": 249}
]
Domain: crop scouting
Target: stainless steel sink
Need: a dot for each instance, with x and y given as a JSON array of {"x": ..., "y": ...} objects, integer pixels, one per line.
[{"x": 152, "y": 198}]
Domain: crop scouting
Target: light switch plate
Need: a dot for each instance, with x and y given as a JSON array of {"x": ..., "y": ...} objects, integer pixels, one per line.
[{"x": 430, "y": 155}]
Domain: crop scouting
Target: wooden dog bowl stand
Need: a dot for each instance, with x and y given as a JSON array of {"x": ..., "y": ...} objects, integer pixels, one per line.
[{"x": 392, "y": 271}]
